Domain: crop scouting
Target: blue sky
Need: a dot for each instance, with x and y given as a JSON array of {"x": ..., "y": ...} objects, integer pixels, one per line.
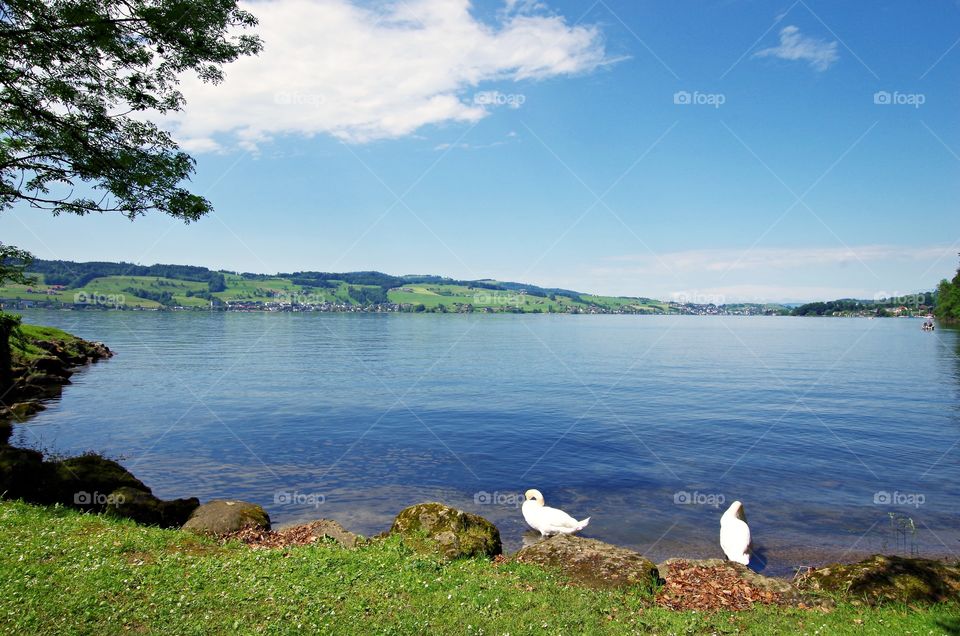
[{"x": 732, "y": 150}]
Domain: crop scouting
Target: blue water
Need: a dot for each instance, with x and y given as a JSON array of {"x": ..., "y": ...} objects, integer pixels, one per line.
[{"x": 355, "y": 416}]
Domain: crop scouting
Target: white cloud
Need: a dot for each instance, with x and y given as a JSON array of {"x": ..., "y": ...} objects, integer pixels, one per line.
[
  {"x": 794, "y": 46},
  {"x": 360, "y": 74}
]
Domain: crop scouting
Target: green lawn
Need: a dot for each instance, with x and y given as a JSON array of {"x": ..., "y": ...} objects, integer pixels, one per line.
[{"x": 62, "y": 572}]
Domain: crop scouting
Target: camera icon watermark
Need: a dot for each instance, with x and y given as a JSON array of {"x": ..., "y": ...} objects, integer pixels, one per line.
[
  {"x": 484, "y": 498},
  {"x": 897, "y": 498},
  {"x": 496, "y": 98},
  {"x": 96, "y": 298},
  {"x": 896, "y": 98},
  {"x": 695, "y": 498},
  {"x": 696, "y": 98},
  {"x": 84, "y": 498},
  {"x": 297, "y": 498},
  {"x": 493, "y": 298}
]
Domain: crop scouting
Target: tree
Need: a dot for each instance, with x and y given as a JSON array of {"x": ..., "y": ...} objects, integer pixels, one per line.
[
  {"x": 218, "y": 283},
  {"x": 78, "y": 81},
  {"x": 948, "y": 299}
]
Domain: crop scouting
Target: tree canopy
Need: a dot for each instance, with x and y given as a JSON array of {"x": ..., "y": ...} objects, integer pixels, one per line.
[
  {"x": 79, "y": 82},
  {"x": 948, "y": 299}
]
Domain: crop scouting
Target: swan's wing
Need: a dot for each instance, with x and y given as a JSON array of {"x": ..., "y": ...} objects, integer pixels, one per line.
[
  {"x": 734, "y": 537},
  {"x": 557, "y": 518}
]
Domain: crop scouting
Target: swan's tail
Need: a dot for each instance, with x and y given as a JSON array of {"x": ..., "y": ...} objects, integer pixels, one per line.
[{"x": 582, "y": 524}]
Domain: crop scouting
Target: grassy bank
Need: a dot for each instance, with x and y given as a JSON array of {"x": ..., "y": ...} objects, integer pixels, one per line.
[
  {"x": 24, "y": 349},
  {"x": 65, "y": 572}
]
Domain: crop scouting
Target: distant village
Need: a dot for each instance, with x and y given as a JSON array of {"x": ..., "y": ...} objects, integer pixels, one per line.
[{"x": 118, "y": 303}]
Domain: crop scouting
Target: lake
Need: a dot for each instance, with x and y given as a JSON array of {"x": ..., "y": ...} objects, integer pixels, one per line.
[{"x": 839, "y": 435}]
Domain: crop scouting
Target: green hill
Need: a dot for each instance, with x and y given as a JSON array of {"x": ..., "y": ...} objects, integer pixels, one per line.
[{"x": 128, "y": 286}]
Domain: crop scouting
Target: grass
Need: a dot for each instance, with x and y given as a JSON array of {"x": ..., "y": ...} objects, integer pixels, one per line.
[
  {"x": 23, "y": 349},
  {"x": 63, "y": 572}
]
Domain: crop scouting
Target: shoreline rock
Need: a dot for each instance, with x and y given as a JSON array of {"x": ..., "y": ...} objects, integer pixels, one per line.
[
  {"x": 590, "y": 562},
  {"x": 221, "y": 517},
  {"x": 881, "y": 578},
  {"x": 452, "y": 533}
]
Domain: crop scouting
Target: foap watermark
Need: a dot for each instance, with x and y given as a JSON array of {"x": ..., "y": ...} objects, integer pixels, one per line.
[
  {"x": 496, "y": 298},
  {"x": 896, "y": 98},
  {"x": 496, "y": 98},
  {"x": 696, "y": 98},
  {"x": 899, "y": 300},
  {"x": 297, "y": 98},
  {"x": 300, "y": 298},
  {"x": 297, "y": 498},
  {"x": 96, "y": 298},
  {"x": 897, "y": 498},
  {"x": 484, "y": 498},
  {"x": 695, "y": 498},
  {"x": 84, "y": 498},
  {"x": 696, "y": 297}
]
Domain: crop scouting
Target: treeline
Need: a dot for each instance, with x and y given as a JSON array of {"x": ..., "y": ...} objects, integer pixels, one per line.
[
  {"x": 948, "y": 299},
  {"x": 881, "y": 307},
  {"x": 73, "y": 275},
  {"x": 830, "y": 307}
]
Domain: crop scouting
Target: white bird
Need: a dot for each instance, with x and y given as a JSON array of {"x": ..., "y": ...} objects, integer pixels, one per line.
[
  {"x": 735, "y": 534},
  {"x": 546, "y": 519}
]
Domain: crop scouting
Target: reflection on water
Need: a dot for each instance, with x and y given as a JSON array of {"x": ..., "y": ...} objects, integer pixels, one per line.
[{"x": 649, "y": 425}]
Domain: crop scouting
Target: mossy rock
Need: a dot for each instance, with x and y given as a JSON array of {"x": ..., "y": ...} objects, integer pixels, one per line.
[
  {"x": 223, "y": 516},
  {"x": 880, "y": 579},
  {"x": 452, "y": 533},
  {"x": 24, "y": 475},
  {"x": 591, "y": 563},
  {"x": 20, "y": 411},
  {"x": 142, "y": 507},
  {"x": 86, "y": 481}
]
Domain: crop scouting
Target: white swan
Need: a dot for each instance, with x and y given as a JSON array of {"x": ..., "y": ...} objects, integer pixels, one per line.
[
  {"x": 546, "y": 519},
  {"x": 735, "y": 534}
]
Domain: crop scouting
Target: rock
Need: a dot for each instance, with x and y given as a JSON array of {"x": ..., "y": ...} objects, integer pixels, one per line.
[
  {"x": 142, "y": 507},
  {"x": 880, "y": 578},
  {"x": 453, "y": 533},
  {"x": 223, "y": 516},
  {"x": 50, "y": 366},
  {"x": 590, "y": 562},
  {"x": 22, "y": 410},
  {"x": 45, "y": 379},
  {"x": 86, "y": 481},
  {"x": 327, "y": 528},
  {"x": 24, "y": 475}
]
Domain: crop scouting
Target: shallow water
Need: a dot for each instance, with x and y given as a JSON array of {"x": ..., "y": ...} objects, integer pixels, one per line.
[{"x": 355, "y": 416}]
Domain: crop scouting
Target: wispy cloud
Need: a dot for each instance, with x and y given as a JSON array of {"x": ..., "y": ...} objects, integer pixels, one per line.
[
  {"x": 723, "y": 260},
  {"x": 343, "y": 68},
  {"x": 795, "y": 46}
]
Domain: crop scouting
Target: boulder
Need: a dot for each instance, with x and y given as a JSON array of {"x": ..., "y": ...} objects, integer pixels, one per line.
[
  {"x": 87, "y": 481},
  {"x": 880, "y": 578},
  {"x": 143, "y": 507},
  {"x": 51, "y": 366},
  {"x": 22, "y": 410},
  {"x": 24, "y": 475},
  {"x": 223, "y": 516},
  {"x": 590, "y": 562},
  {"x": 327, "y": 529},
  {"x": 453, "y": 533}
]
